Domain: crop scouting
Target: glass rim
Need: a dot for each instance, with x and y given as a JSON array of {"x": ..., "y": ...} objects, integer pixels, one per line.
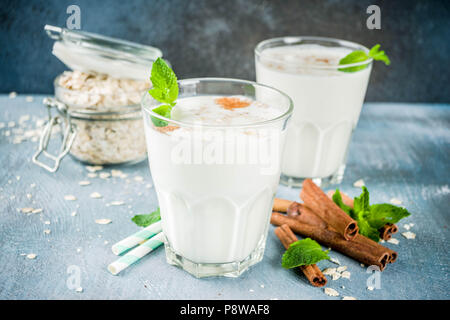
[
  {"x": 278, "y": 118},
  {"x": 292, "y": 40}
]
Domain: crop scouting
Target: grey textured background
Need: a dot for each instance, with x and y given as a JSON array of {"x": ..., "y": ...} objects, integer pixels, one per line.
[{"x": 216, "y": 38}]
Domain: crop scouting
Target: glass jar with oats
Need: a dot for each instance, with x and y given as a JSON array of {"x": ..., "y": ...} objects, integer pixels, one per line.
[{"x": 97, "y": 103}]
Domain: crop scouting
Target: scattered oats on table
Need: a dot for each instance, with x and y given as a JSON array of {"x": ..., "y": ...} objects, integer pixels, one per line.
[
  {"x": 12, "y": 95},
  {"x": 117, "y": 203},
  {"x": 409, "y": 235},
  {"x": 331, "y": 292},
  {"x": 393, "y": 241},
  {"x": 348, "y": 298},
  {"x": 345, "y": 275},
  {"x": 103, "y": 221},
  {"x": 335, "y": 276},
  {"x": 70, "y": 197},
  {"x": 84, "y": 183},
  {"x": 341, "y": 269},
  {"x": 93, "y": 169},
  {"x": 396, "y": 201},
  {"x": 31, "y": 256},
  {"x": 104, "y": 175},
  {"x": 95, "y": 195},
  {"x": 47, "y": 231},
  {"x": 335, "y": 261},
  {"x": 329, "y": 271}
]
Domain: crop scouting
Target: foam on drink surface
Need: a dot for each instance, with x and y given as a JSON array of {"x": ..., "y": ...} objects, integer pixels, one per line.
[
  {"x": 222, "y": 110},
  {"x": 303, "y": 58}
]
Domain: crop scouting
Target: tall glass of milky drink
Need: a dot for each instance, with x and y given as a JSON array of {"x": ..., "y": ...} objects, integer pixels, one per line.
[
  {"x": 216, "y": 167},
  {"x": 327, "y": 102}
]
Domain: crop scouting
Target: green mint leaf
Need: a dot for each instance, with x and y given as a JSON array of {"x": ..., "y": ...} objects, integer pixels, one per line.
[
  {"x": 144, "y": 220},
  {"x": 164, "y": 81},
  {"x": 361, "y": 209},
  {"x": 365, "y": 228},
  {"x": 353, "y": 57},
  {"x": 337, "y": 198},
  {"x": 360, "y": 56},
  {"x": 378, "y": 55},
  {"x": 163, "y": 110},
  {"x": 361, "y": 203},
  {"x": 303, "y": 252},
  {"x": 370, "y": 218},
  {"x": 383, "y": 213}
]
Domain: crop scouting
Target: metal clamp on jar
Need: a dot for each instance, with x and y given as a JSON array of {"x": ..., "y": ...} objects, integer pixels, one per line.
[{"x": 97, "y": 104}]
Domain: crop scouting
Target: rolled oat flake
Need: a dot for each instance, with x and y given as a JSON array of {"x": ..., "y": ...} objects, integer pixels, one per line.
[{"x": 97, "y": 101}]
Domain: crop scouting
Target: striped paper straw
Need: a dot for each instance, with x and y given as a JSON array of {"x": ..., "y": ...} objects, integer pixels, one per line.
[
  {"x": 137, "y": 238},
  {"x": 136, "y": 254}
]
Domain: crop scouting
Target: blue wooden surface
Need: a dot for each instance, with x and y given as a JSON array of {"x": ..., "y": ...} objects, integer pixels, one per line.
[{"x": 400, "y": 151}]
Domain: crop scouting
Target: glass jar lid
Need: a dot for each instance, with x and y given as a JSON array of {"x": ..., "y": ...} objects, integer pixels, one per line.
[{"x": 93, "y": 53}]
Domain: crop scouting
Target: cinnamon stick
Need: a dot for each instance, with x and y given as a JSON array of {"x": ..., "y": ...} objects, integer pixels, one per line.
[
  {"x": 312, "y": 272},
  {"x": 325, "y": 208},
  {"x": 361, "y": 248},
  {"x": 386, "y": 231},
  {"x": 281, "y": 205},
  {"x": 345, "y": 198},
  {"x": 305, "y": 215}
]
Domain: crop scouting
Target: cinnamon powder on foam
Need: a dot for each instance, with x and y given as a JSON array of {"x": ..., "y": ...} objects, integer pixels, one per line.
[{"x": 230, "y": 103}]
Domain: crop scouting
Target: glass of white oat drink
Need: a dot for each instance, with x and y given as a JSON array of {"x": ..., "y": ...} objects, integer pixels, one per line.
[
  {"x": 327, "y": 102},
  {"x": 215, "y": 164}
]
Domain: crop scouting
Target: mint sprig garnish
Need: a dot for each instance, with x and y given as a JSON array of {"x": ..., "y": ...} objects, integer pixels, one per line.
[
  {"x": 370, "y": 218},
  {"x": 383, "y": 213},
  {"x": 302, "y": 253},
  {"x": 144, "y": 220},
  {"x": 165, "y": 90},
  {"x": 337, "y": 198},
  {"x": 360, "y": 56}
]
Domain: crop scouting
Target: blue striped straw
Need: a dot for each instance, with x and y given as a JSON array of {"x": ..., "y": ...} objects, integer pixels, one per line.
[
  {"x": 137, "y": 238},
  {"x": 136, "y": 254}
]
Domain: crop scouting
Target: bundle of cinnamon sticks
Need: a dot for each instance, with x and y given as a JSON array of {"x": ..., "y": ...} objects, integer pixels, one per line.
[{"x": 320, "y": 219}]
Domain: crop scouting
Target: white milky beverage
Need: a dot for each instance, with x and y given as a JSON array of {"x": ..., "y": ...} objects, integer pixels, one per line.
[
  {"x": 327, "y": 105},
  {"x": 216, "y": 174}
]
